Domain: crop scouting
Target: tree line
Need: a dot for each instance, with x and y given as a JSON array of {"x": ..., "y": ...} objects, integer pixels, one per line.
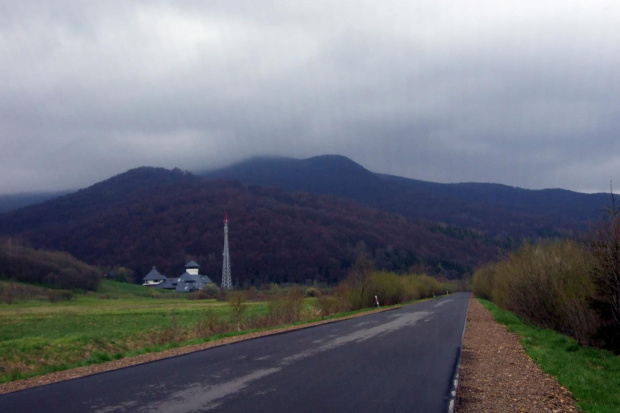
[
  {"x": 572, "y": 286},
  {"x": 53, "y": 269}
]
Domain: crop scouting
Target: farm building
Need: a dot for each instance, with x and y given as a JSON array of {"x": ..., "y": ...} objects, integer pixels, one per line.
[{"x": 189, "y": 281}]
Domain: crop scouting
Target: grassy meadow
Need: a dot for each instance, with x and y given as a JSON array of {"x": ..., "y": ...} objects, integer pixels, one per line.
[
  {"x": 37, "y": 336},
  {"x": 44, "y": 330}
]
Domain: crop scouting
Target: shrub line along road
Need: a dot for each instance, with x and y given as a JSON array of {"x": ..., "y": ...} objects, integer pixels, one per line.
[{"x": 402, "y": 360}]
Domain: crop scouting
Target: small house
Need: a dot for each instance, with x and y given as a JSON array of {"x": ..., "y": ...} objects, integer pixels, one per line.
[
  {"x": 190, "y": 280},
  {"x": 154, "y": 278}
]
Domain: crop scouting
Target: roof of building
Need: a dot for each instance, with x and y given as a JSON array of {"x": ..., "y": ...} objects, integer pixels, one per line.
[
  {"x": 188, "y": 277},
  {"x": 190, "y": 282},
  {"x": 154, "y": 275},
  {"x": 166, "y": 285},
  {"x": 205, "y": 279},
  {"x": 187, "y": 286},
  {"x": 192, "y": 264}
]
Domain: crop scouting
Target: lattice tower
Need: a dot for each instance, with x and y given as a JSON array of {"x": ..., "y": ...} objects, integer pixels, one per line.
[{"x": 226, "y": 278}]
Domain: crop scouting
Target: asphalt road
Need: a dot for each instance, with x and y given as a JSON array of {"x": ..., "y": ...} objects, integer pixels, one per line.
[{"x": 395, "y": 361}]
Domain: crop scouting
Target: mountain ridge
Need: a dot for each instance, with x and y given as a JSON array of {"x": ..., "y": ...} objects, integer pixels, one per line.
[
  {"x": 298, "y": 220},
  {"x": 151, "y": 216},
  {"x": 498, "y": 208}
]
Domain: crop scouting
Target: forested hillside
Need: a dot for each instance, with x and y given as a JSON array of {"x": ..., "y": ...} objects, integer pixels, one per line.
[
  {"x": 498, "y": 210},
  {"x": 152, "y": 216}
]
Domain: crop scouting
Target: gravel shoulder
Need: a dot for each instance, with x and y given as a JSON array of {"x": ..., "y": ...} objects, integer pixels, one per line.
[{"x": 497, "y": 376}]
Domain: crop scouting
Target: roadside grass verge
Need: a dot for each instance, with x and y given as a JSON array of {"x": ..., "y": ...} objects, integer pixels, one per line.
[
  {"x": 41, "y": 338},
  {"x": 593, "y": 376}
]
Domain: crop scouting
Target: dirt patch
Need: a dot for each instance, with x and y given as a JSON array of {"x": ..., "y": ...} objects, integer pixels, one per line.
[
  {"x": 497, "y": 376},
  {"x": 146, "y": 358}
]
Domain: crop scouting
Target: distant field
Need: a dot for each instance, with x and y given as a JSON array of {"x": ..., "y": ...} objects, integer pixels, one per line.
[{"x": 39, "y": 336}]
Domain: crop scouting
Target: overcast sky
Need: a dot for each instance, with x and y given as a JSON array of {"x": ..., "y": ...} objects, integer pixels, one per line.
[{"x": 523, "y": 92}]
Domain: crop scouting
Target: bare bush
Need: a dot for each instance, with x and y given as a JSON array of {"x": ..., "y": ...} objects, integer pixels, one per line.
[
  {"x": 603, "y": 243},
  {"x": 359, "y": 282},
  {"x": 210, "y": 324},
  {"x": 548, "y": 285},
  {"x": 328, "y": 305},
  {"x": 287, "y": 309},
  {"x": 237, "y": 301},
  {"x": 391, "y": 288},
  {"x": 52, "y": 268},
  {"x": 482, "y": 282},
  {"x": 313, "y": 292}
]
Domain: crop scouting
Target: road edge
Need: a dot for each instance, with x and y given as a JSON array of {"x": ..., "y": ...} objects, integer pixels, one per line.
[{"x": 457, "y": 366}]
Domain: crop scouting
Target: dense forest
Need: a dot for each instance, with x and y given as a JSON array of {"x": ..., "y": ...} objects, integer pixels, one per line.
[
  {"x": 152, "y": 216},
  {"x": 503, "y": 212},
  {"x": 295, "y": 221}
]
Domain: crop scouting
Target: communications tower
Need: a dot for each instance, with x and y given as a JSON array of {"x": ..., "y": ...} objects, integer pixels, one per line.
[{"x": 226, "y": 278}]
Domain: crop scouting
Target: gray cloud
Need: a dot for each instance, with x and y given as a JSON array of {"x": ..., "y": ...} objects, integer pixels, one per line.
[{"x": 519, "y": 92}]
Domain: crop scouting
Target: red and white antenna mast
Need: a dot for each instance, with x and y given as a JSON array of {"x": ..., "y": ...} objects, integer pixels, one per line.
[{"x": 226, "y": 277}]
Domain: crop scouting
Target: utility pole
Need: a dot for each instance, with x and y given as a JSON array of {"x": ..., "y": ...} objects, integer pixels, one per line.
[{"x": 226, "y": 278}]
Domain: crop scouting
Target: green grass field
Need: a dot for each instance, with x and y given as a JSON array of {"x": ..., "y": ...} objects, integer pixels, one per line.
[
  {"x": 118, "y": 320},
  {"x": 593, "y": 376}
]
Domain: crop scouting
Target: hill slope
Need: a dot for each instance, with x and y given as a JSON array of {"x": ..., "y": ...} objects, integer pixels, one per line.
[
  {"x": 153, "y": 216},
  {"x": 496, "y": 209}
]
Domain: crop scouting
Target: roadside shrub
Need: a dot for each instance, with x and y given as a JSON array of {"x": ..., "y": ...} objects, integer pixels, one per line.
[
  {"x": 341, "y": 294},
  {"x": 313, "y": 292},
  {"x": 603, "y": 243},
  {"x": 287, "y": 309},
  {"x": 548, "y": 285},
  {"x": 482, "y": 282},
  {"x": 449, "y": 288},
  {"x": 427, "y": 286},
  {"x": 359, "y": 283},
  {"x": 328, "y": 305},
  {"x": 210, "y": 323},
  {"x": 387, "y": 287},
  {"x": 410, "y": 288},
  {"x": 391, "y": 289},
  {"x": 237, "y": 301}
]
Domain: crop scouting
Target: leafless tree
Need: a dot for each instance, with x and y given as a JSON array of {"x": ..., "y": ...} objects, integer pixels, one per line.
[{"x": 604, "y": 244}]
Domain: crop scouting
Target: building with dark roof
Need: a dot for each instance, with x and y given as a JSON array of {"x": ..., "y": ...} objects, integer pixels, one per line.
[
  {"x": 168, "y": 284},
  {"x": 190, "y": 280},
  {"x": 154, "y": 278},
  {"x": 192, "y": 268}
]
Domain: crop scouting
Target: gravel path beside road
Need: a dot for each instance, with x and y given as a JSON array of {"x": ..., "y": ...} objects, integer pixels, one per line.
[{"x": 497, "y": 376}]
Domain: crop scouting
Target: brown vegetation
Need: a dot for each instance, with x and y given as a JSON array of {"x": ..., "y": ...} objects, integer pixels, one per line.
[
  {"x": 603, "y": 244},
  {"x": 11, "y": 292},
  {"x": 49, "y": 268},
  {"x": 365, "y": 286},
  {"x": 561, "y": 285},
  {"x": 152, "y": 217}
]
